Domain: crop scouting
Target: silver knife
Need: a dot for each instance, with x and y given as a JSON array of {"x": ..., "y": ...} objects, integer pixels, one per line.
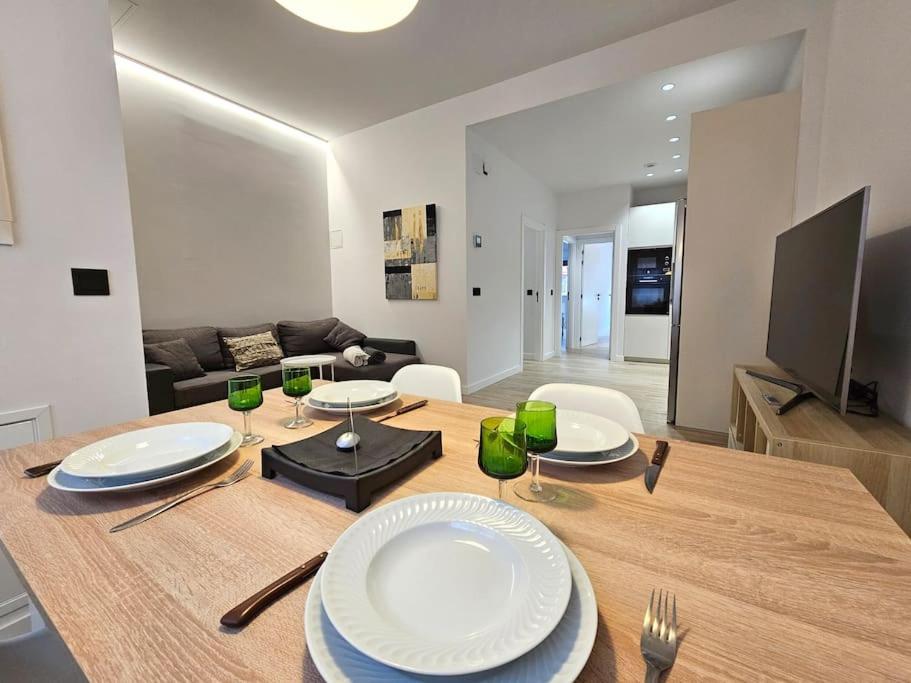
[{"x": 653, "y": 470}]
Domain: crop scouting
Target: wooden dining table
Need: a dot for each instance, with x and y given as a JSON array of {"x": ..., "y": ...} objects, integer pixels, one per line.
[{"x": 782, "y": 570}]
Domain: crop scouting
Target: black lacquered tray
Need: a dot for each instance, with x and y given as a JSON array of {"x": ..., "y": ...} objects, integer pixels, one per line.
[{"x": 357, "y": 490}]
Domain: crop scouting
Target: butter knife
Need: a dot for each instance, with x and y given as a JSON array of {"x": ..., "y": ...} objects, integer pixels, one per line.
[
  {"x": 654, "y": 469},
  {"x": 246, "y": 611}
]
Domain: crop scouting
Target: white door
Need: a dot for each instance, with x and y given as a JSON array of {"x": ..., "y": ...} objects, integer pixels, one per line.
[
  {"x": 532, "y": 294},
  {"x": 597, "y": 275}
]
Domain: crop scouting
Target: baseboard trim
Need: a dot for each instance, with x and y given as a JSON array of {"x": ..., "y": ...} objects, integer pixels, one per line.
[
  {"x": 636, "y": 359},
  {"x": 13, "y": 604},
  {"x": 493, "y": 379},
  {"x": 549, "y": 354}
]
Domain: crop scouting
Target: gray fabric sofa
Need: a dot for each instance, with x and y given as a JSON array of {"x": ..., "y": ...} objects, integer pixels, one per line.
[{"x": 295, "y": 338}]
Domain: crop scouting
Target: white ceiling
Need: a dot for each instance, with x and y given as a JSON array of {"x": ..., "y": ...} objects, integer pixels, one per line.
[
  {"x": 605, "y": 137},
  {"x": 331, "y": 83}
]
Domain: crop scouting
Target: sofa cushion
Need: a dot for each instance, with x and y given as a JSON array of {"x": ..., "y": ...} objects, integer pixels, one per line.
[
  {"x": 270, "y": 375},
  {"x": 304, "y": 338},
  {"x": 342, "y": 336},
  {"x": 203, "y": 341},
  {"x": 223, "y": 332},
  {"x": 383, "y": 371},
  {"x": 213, "y": 386},
  {"x": 254, "y": 351},
  {"x": 177, "y": 355}
]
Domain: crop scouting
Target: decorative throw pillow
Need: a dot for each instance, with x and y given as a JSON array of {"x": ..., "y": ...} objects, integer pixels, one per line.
[
  {"x": 254, "y": 351},
  {"x": 342, "y": 336},
  {"x": 177, "y": 355}
]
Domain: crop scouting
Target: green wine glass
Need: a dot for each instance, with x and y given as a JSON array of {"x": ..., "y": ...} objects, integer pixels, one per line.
[
  {"x": 296, "y": 383},
  {"x": 540, "y": 418},
  {"x": 502, "y": 450},
  {"x": 245, "y": 393}
]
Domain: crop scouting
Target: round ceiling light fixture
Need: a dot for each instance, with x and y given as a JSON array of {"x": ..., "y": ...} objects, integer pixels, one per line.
[
  {"x": 351, "y": 16},
  {"x": 673, "y": 139},
  {"x": 667, "y": 87}
]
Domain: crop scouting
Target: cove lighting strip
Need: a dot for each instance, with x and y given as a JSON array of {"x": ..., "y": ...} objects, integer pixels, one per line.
[{"x": 130, "y": 64}]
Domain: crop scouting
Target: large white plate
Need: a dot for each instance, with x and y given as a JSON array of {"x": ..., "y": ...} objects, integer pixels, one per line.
[
  {"x": 558, "y": 659},
  {"x": 360, "y": 391},
  {"x": 59, "y": 479},
  {"x": 354, "y": 409},
  {"x": 591, "y": 459},
  {"x": 446, "y": 583},
  {"x": 147, "y": 452}
]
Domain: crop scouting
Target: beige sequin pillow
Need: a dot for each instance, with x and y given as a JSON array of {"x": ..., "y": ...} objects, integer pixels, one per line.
[{"x": 254, "y": 351}]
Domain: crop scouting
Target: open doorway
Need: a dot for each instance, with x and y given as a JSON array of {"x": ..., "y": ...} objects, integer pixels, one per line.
[{"x": 587, "y": 272}]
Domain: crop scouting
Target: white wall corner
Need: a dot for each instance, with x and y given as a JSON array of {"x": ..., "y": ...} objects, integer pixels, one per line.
[{"x": 493, "y": 379}]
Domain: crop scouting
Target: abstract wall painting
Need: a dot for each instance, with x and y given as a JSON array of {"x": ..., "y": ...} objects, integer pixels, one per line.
[{"x": 410, "y": 252}]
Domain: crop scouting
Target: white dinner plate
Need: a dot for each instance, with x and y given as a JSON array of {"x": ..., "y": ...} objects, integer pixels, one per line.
[
  {"x": 59, "y": 479},
  {"x": 558, "y": 659},
  {"x": 147, "y": 452},
  {"x": 591, "y": 459},
  {"x": 354, "y": 409},
  {"x": 360, "y": 391},
  {"x": 446, "y": 583}
]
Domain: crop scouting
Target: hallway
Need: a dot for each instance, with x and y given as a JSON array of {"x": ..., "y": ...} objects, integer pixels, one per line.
[{"x": 645, "y": 383}]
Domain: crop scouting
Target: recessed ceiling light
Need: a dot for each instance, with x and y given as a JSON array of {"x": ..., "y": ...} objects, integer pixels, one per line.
[
  {"x": 352, "y": 16},
  {"x": 649, "y": 174},
  {"x": 678, "y": 170},
  {"x": 676, "y": 156},
  {"x": 670, "y": 117},
  {"x": 667, "y": 87},
  {"x": 673, "y": 139}
]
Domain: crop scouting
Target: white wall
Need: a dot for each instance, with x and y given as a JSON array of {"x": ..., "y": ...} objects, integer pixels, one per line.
[
  {"x": 68, "y": 185},
  {"x": 230, "y": 215},
  {"x": 658, "y": 195},
  {"x": 741, "y": 194},
  {"x": 599, "y": 210},
  {"x": 496, "y": 204},
  {"x": 865, "y": 141},
  {"x": 420, "y": 158}
]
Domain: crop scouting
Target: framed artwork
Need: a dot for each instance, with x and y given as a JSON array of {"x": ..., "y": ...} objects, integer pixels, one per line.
[{"x": 410, "y": 252}]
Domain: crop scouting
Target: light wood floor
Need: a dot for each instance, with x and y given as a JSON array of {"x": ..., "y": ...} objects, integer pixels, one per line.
[{"x": 645, "y": 383}]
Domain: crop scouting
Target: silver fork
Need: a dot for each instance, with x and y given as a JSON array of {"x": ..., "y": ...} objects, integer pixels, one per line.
[
  {"x": 232, "y": 478},
  {"x": 659, "y": 636}
]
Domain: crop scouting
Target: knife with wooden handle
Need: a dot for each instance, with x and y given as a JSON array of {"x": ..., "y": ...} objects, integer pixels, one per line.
[
  {"x": 41, "y": 470},
  {"x": 404, "y": 409},
  {"x": 653, "y": 470},
  {"x": 246, "y": 611}
]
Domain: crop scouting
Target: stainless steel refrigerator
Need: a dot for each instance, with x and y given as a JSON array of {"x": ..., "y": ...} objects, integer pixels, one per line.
[{"x": 676, "y": 305}]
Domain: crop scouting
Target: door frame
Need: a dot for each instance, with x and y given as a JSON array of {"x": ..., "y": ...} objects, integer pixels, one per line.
[
  {"x": 540, "y": 280},
  {"x": 576, "y": 236}
]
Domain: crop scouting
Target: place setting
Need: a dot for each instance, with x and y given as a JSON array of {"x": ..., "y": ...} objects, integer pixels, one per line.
[{"x": 142, "y": 459}]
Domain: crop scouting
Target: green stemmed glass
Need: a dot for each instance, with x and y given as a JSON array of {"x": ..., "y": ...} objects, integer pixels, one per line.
[
  {"x": 502, "y": 450},
  {"x": 296, "y": 383},
  {"x": 540, "y": 418},
  {"x": 245, "y": 393}
]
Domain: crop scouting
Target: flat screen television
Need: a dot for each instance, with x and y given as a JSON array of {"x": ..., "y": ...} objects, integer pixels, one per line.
[{"x": 815, "y": 291}]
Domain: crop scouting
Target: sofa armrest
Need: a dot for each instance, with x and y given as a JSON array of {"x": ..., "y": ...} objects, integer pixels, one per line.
[
  {"x": 160, "y": 388},
  {"x": 404, "y": 346}
]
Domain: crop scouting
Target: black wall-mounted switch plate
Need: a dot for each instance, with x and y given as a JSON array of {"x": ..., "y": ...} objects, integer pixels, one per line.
[
  {"x": 528, "y": 292},
  {"x": 90, "y": 282},
  {"x": 475, "y": 291}
]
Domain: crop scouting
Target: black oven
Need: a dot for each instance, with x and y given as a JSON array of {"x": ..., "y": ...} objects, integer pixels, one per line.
[{"x": 648, "y": 286}]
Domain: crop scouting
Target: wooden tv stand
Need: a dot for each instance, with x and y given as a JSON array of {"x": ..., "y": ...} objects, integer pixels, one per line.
[{"x": 876, "y": 449}]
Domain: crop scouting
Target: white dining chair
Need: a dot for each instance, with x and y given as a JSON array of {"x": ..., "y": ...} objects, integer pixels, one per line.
[
  {"x": 430, "y": 381},
  {"x": 608, "y": 403}
]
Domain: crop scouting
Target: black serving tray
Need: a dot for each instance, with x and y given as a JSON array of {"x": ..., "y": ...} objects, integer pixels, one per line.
[{"x": 357, "y": 490}]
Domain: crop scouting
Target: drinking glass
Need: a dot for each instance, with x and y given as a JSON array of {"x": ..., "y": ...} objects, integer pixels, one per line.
[
  {"x": 502, "y": 450},
  {"x": 245, "y": 392},
  {"x": 296, "y": 383},
  {"x": 540, "y": 418}
]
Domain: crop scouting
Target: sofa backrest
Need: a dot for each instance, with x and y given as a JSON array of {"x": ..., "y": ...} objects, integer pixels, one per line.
[
  {"x": 203, "y": 341},
  {"x": 304, "y": 338}
]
